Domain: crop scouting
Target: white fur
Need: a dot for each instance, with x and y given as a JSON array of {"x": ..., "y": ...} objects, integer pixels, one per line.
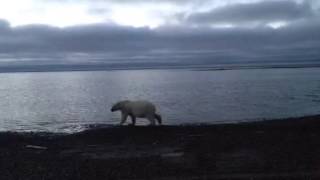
[{"x": 141, "y": 109}]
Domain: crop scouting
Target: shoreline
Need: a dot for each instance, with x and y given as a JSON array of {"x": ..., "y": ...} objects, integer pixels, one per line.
[
  {"x": 272, "y": 149},
  {"x": 97, "y": 126}
]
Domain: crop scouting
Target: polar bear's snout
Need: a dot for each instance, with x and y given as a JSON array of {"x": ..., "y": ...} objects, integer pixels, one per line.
[
  {"x": 112, "y": 109},
  {"x": 118, "y": 106},
  {"x": 134, "y": 109}
]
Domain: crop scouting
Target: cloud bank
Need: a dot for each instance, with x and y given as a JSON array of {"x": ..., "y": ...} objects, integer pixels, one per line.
[
  {"x": 258, "y": 12},
  {"x": 196, "y": 38}
]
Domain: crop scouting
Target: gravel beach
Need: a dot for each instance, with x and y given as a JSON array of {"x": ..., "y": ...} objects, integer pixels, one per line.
[{"x": 273, "y": 149}]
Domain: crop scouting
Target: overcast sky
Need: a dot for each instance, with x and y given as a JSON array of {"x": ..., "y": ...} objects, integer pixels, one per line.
[{"x": 158, "y": 31}]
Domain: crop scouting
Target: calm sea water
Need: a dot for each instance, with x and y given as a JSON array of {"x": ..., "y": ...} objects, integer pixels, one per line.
[{"x": 70, "y": 101}]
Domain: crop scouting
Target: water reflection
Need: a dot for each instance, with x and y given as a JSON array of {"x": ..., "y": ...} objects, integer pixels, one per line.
[{"x": 69, "y": 101}]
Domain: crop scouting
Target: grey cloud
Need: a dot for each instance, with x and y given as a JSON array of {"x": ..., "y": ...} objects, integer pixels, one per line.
[
  {"x": 105, "y": 43},
  {"x": 260, "y": 12},
  {"x": 90, "y": 38},
  {"x": 4, "y": 26}
]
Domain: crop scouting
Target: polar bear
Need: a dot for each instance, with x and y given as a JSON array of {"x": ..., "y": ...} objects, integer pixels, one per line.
[{"x": 134, "y": 109}]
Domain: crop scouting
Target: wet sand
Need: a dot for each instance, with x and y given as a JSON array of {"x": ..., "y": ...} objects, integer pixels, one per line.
[{"x": 274, "y": 149}]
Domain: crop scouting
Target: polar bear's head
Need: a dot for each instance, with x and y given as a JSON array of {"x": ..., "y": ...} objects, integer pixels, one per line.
[{"x": 118, "y": 106}]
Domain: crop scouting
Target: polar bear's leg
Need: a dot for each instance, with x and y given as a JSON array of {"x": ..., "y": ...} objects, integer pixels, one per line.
[
  {"x": 152, "y": 120},
  {"x": 158, "y": 117},
  {"x": 123, "y": 118},
  {"x": 133, "y": 119}
]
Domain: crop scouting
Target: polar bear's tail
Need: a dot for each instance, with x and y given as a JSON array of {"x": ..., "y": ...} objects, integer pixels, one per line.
[{"x": 158, "y": 117}]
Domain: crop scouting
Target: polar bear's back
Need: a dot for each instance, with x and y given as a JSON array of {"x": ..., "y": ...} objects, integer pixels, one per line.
[{"x": 141, "y": 108}]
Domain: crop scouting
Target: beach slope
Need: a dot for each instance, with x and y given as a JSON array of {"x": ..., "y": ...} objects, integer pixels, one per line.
[{"x": 274, "y": 149}]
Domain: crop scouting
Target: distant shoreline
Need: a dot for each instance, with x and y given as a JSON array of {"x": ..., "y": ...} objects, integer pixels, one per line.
[{"x": 104, "y": 67}]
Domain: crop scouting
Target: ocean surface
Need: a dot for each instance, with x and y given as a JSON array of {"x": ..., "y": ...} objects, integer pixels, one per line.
[{"x": 75, "y": 100}]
